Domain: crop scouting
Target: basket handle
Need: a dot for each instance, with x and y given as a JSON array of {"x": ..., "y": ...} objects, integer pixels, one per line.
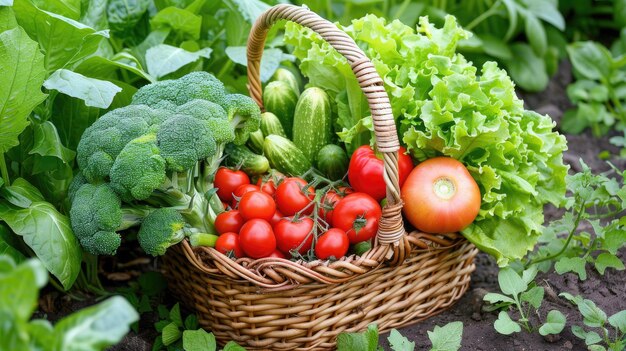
[{"x": 391, "y": 228}]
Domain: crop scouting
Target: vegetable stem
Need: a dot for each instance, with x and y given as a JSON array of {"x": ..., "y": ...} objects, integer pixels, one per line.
[
  {"x": 569, "y": 239},
  {"x": 4, "y": 170},
  {"x": 490, "y": 12}
]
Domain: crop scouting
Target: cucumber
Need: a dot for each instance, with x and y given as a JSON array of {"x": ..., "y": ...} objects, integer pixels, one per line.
[
  {"x": 285, "y": 75},
  {"x": 255, "y": 141},
  {"x": 241, "y": 156},
  {"x": 280, "y": 99},
  {"x": 332, "y": 161},
  {"x": 271, "y": 125},
  {"x": 285, "y": 156},
  {"x": 312, "y": 128}
]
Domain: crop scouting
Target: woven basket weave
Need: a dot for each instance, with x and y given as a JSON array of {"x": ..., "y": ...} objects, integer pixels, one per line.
[{"x": 277, "y": 304}]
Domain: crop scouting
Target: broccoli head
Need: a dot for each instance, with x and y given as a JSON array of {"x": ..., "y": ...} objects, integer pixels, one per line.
[
  {"x": 244, "y": 116},
  {"x": 106, "y": 137},
  {"x": 195, "y": 85},
  {"x": 214, "y": 114},
  {"x": 184, "y": 140},
  {"x": 161, "y": 229},
  {"x": 95, "y": 215},
  {"x": 138, "y": 169}
]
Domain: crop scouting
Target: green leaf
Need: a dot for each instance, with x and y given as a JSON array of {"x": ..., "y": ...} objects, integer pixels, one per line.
[
  {"x": 494, "y": 298},
  {"x": 572, "y": 264},
  {"x": 198, "y": 340},
  {"x": 446, "y": 338},
  {"x": 164, "y": 59},
  {"x": 191, "y": 322},
  {"x": 367, "y": 341},
  {"x": 534, "y": 296},
  {"x": 19, "y": 289},
  {"x": 399, "y": 342},
  {"x": 510, "y": 282},
  {"x": 64, "y": 41},
  {"x": 94, "y": 14},
  {"x": 592, "y": 315},
  {"x": 607, "y": 260},
  {"x": 95, "y": 92},
  {"x": 270, "y": 60},
  {"x": 555, "y": 322},
  {"x": 233, "y": 346},
  {"x": 618, "y": 320},
  {"x": 124, "y": 15},
  {"x": 250, "y": 9},
  {"x": 48, "y": 233},
  {"x": 7, "y": 18},
  {"x": 96, "y": 327},
  {"x": 102, "y": 67},
  {"x": 527, "y": 69},
  {"x": 181, "y": 21},
  {"x": 22, "y": 72},
  {"x": 547, "y": 11},
  {"x": 48, "y": 143},
  {"x": 21, "y": 193},
  {"x": 536, "y": 35},
  {"x": 170, "y": 334},
  {"x": 71, "y": 117},
  {"x": 591, "y": 60},
  {"x": 175, "y": 316},
  {"x": 7, "y": 249},
  {"x": 505, "y": 325}
]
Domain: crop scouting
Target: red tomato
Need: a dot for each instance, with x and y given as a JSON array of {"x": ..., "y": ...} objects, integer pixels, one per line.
[
  {"x": 277, "y": 217},
  {"x": 440, "y": 196},
  {"x": 228, "y": 242},
  {"x": 290, "y": 233},
  {"x": 358, "y": 215},
  {"x": 257, "y": 204},
  {"x": 257, "y": 239},
  {"x": 229, "y": 221},
  {"x": 329, "y": 200},
  {"x": 293, "y": 195},
  {"x": 277, "y": 254},
  {"x": 366, "y": 171},
  {"x": 240, "y": 191},
  {"x": 333, "y": 243},
  {"x": 227, "y": 180}
]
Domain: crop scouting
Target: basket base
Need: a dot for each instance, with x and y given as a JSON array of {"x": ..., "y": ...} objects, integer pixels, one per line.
[{"x": 311, "y": 316}]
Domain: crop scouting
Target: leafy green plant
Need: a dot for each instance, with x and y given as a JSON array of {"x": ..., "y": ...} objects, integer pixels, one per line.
[
  {"x": 179, "y": 334},
  {"x": 525, "y": 296},
  {"x": 596, "y": 200},
  {"x": 613, "y": 339},
  {"x": 599, "y": 91},
  {"x": 90, "y": 329},
  {"x": 446, "y": 338}
]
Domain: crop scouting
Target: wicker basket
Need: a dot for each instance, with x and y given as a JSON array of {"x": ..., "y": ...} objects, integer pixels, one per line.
[{"x": 277, "y": 304}]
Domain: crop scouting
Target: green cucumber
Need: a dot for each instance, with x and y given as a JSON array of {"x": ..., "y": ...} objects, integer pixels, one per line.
[
  {"x": 255, "y": 141},
  {"x": 241, "y": 156},
  {"x": 287, "y": 76},
  {"x": 280, "y": 99},
  {"x": 271, "y": 125},
  {"x": 285, "y": 156},
  {"x": 332, "y": 161},
  {"x": 312, "y": 124}
]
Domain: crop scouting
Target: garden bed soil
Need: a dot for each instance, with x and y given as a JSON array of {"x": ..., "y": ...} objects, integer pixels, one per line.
[{"x": 607, "y": 291}]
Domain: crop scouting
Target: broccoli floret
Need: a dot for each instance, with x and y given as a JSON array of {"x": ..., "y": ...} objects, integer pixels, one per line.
[
  {"x": 103, "y": 140},
  {"x": 196, "y": 85},
  {"x": 244, "y": 116},
  {"x": 214, "y": 114},
  {"x": 78, "y": 181},
  {"x": 96, "y": 215},
  {"x": 183, "y": 141},
  {"x": 161, "y": 229},
  {"x": 138, "y": 169}
]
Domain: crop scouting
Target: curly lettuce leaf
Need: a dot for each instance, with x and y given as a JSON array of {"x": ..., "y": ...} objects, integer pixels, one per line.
[{"x": 443, "y": 105}]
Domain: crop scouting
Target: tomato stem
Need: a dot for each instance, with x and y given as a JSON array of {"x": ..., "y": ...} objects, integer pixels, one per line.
[{"x": 444, "y": 188}]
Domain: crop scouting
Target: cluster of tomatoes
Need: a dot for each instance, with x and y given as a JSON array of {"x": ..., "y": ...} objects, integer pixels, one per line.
[{"x": 282, "y": 217}]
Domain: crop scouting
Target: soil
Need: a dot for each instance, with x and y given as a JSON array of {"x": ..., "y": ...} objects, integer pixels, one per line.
[{"x": 607, "y": 291}]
